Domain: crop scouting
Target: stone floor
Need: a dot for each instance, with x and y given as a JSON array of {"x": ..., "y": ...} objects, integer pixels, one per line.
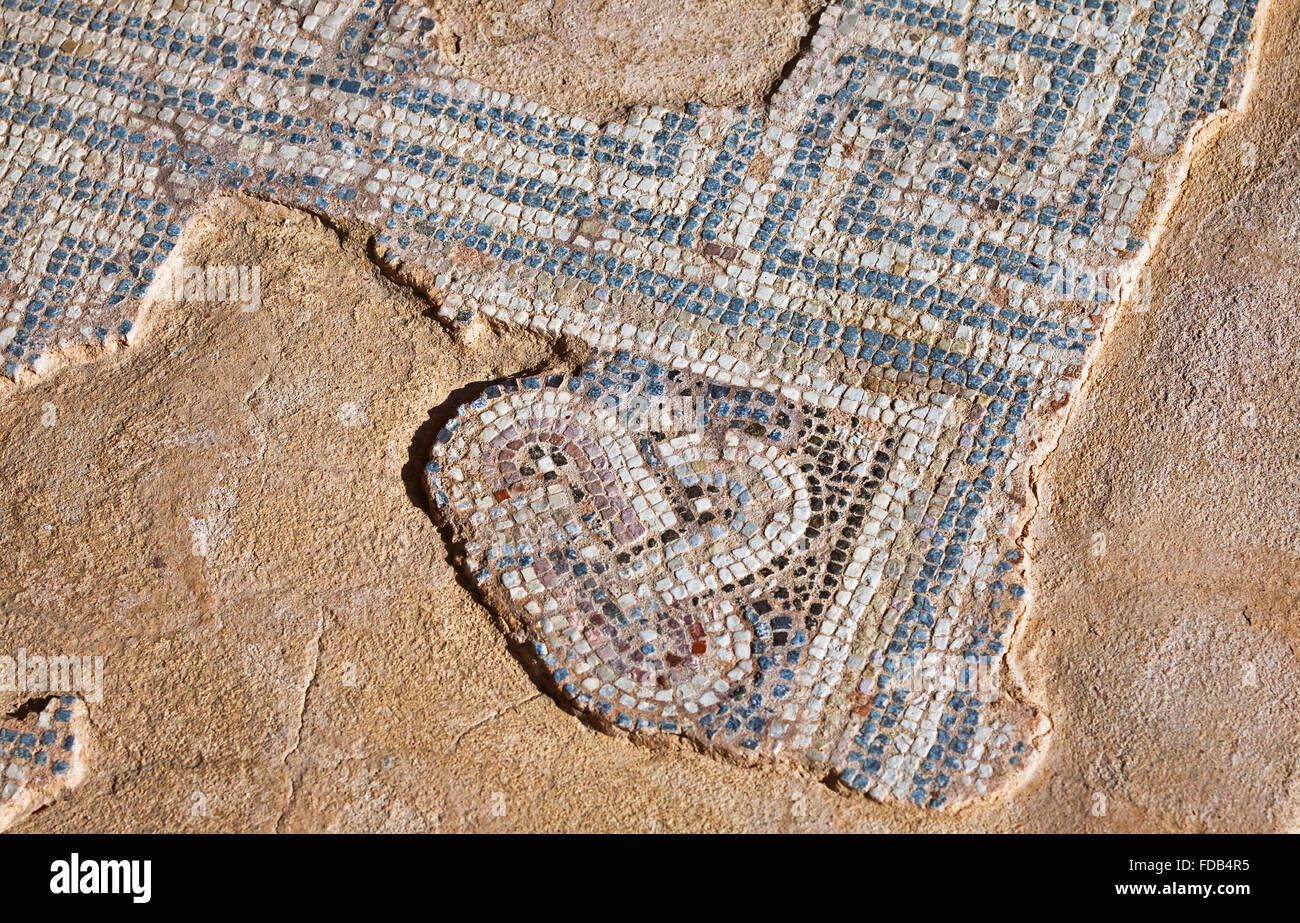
[{"x": 722, "y": 550}]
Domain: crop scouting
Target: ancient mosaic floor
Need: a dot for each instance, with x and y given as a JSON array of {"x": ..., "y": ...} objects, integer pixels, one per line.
[{"x": 779, "y": 510}]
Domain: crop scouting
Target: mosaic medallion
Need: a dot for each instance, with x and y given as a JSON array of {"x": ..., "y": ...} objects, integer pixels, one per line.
[{"x": 688, "y": 557}]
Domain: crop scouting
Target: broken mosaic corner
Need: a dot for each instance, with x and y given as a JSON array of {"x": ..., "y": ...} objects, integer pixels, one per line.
[
  {"x": 763, "y": 576},
  {"x": 44, "y": 755}
]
